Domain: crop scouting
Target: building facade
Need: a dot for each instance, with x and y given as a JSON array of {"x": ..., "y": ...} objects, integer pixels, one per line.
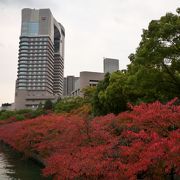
[
  {"x": 41, "y": 59},
  {"x": 110, "y": 65},
  {"x": 69, "y": 85},
  {"x": 86, "y": 79},
  {"x": 7, "y": 106}
]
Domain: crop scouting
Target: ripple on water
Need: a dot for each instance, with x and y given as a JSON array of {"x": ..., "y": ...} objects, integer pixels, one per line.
[{"x": 14, "y": 167}]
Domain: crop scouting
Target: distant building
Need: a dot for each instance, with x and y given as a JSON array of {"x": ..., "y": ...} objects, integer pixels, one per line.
[
  {"x": 65, "y": 86},
  {"x": 111, "y": 65},
  {"x": 86, "y": 79},
  {"x": 69, "y": 85},
  {"x": 7, "y": 106},
  {"x": 41, "y": 59}
]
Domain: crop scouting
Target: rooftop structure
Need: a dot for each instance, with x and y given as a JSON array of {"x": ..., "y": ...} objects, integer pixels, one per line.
[
  {"x": 111, "y": 65},
  {"x": 69, "y": 85}
]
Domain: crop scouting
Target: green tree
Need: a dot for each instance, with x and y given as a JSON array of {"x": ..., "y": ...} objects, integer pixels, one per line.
[
  {"x": 116, "y": 97},
  {"x": 99, "y": 101},
  {"x": 48, "y": 105},
  {"x": 88, "y": 93},
  {"x": 40, "y": 105},
  {"x": 68, "y": 104},
  {"x": 153, "y": 74},
  {"x": 155, "y": 67},
  {"x": 110, "y": 96}
]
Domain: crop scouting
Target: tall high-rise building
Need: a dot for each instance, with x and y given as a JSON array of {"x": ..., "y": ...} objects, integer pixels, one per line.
[
  {"x": 41, "y": 59},
  {"x": 111, "y": 65}
]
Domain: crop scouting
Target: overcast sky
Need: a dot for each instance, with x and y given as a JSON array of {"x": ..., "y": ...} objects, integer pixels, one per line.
[{"x": 94, "y": 29}]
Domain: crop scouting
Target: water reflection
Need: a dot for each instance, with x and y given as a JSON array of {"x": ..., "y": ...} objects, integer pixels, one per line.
[{"x": 14, "y": 167}]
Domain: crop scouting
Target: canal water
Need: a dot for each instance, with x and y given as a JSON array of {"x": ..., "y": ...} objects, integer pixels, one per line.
[{"x": 14, "y": 167}]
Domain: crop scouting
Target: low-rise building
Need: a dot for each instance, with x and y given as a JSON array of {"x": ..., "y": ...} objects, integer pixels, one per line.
[
  {"x": 69, "y": 85},
  {"x": 7, "y": 106},
  {"x": 86, "y": 78}
]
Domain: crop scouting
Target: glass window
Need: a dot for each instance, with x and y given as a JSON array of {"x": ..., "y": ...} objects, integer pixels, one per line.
[
  {"x": 21, "y": 87},
  {"x": 22, "y": 77},
  {"x": 23, "y": 57},
  {"x": 24, "y": 50},
  {"x": 30, "y": 28},
  {"x": 22, "y": 65},
  {"x": 22, "y": 80},
  {"x": 24, "y": 47},
  {"x": 23, "y": 62},
  {"x": 24, "y": 54},
  {"x": 23, "y": 69},
  {"x": 24, "y": 39},
  {"x": 22, "y": 84}
]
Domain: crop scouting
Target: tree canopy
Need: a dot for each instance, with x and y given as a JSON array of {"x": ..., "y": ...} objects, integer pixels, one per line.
[
  {"x": 153, "y": 73},
  {"x": 156, "y": 62}
]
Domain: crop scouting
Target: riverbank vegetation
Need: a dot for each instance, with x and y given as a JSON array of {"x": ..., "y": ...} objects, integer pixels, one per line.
[
  {"x": 7, "y": 116},
  {"x": 141, "y": 143},
  {"x": 128, "y": 127}
]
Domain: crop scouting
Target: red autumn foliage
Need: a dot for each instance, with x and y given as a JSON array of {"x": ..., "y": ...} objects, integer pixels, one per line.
[{"x": 141, "y": 144}]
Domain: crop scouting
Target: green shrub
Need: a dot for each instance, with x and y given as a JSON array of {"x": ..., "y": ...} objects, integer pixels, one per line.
[
  {"x": 69, "y": 104},
  {"x": 48, "y": 105},
  {"x": 36, "y": 113},
  {"x": 6, "y": 114},
  {"x": 20, "y": 117}
]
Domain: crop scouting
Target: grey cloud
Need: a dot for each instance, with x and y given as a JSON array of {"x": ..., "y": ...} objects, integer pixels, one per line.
[
  {"x": 16, "y": 2},
  {"x": 1, "y": 45},
  {"x": 27, "y": 2}
]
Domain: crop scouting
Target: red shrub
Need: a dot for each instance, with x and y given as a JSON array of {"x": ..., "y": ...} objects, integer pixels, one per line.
[{"x": 143, "y": 143}]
